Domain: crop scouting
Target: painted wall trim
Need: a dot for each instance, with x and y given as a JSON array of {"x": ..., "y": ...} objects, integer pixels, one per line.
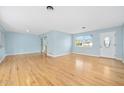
[
  {"x": 86, "y": 54},
  {"x": 123, "y": 61},
  {"x": 117, "y": 58},
  {"x": 23, "y": 53},
  {"x": 51, "y": 55},
  {"x": 1, "y": 59}
]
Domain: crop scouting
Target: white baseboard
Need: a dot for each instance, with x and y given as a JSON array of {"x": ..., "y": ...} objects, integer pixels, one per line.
[
  {"x": 123, "y": 61},
  {"x": 59, "y": 54},
  {"x": 22, "y": 53},
  {"x": 1, "y": 59},
  {"x": 86, "y": 54},
  {"x": 117, "y": 58}
]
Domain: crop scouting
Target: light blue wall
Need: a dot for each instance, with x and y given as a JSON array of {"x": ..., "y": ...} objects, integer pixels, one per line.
[
  {"x": 59, "y": 43},
  {"x": 22, "y": 43},
  {"x": 95, "y": 50},
  {"x": 123, "y": 41},
  {"x": 119, "y": 43},
  {"x": 2, "y": 51}
]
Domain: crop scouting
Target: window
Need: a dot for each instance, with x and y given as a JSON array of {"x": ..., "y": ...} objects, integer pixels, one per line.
[{"x": 84, "y": 41}]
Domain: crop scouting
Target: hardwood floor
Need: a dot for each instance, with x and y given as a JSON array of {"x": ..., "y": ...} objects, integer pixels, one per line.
[{"x": 73, "y": 69}]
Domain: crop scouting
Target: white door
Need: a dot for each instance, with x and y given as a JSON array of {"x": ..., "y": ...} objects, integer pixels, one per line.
[{"x": 107, "y": 44}]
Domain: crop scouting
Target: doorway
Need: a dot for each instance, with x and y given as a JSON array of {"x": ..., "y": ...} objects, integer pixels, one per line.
[{"x": 44, "y": 44}]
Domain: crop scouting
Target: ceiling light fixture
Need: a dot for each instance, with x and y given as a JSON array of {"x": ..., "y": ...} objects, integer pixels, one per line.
[
  {"x": 83, "y": 27},
  {"x": 50, "y": 8}
]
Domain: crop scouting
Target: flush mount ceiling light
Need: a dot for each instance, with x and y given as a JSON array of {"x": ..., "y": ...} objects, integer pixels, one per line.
[
  {"x": 83, "y": 27},
  {"x": 49, "y": 8}
]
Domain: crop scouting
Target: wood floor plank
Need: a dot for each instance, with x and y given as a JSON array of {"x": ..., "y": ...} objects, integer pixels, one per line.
[{"x": 73, "y": 69}]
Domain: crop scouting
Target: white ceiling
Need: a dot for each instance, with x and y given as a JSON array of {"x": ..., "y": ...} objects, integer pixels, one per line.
[{"x": 69, "y": 19}]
